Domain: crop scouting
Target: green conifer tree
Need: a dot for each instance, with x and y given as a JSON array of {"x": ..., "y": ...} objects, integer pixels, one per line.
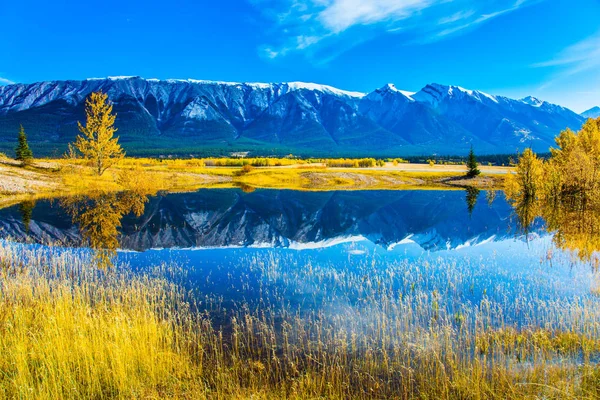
[
  {"x": 473, "y": 171},
  {"x": 24, "y": 153}
]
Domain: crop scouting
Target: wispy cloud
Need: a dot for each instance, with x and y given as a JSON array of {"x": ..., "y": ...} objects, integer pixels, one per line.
[
  {"x": 574, "y": 59},
  {"x": 311, "y": 26},
  {"x": 473, "y": 22},
  {"x": 577, "y": 57},
  {"x": 458, "y": 16},
  {"x": 4, "y": 81}
]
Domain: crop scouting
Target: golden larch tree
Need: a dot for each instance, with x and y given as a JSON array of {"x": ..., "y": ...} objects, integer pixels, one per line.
[{"x": 98, "y": 143}]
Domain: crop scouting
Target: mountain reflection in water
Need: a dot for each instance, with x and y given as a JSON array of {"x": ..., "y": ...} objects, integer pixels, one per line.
[
  {"x": 435, "y": 220},
  {"x": 222, "y": 218}
]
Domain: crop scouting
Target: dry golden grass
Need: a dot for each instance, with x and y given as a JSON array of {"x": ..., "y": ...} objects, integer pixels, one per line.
[
  {"x": 58, "y": 177},
  {"x": 69, "y": 331}
]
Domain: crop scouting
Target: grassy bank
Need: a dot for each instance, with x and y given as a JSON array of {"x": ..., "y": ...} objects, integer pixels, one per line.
[
  {"x": 53, "y": 177},
  {"x": 69, "y": 331}
]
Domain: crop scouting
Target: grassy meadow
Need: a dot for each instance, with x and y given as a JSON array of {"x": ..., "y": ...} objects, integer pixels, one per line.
[{"x": 45, "y": 178}]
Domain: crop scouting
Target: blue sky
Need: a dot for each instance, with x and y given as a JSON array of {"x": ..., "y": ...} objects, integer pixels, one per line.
[{"x": 546, "y": 48}]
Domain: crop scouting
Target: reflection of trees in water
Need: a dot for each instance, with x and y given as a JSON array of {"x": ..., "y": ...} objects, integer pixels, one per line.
[
  {"x": 471, "y": 199},
  {"x": 25, "y": 209},
  {"x": 575, "y": 222},
  {"x": 246, "y": 188},
  {"x": 99, "y": 218},
  {"x": 490, "y": 196},
  {"x": 527, "y": 211}
]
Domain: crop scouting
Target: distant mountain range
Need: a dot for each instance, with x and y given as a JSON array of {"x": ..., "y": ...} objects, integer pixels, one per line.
[
  {"x": 182, "y": 117},
  {"x": 591, "y": 113}
]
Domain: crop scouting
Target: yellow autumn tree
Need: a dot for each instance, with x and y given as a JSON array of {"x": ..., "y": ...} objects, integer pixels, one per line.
[
  {"x": 98, "y": 143},
  {"x": 564, "y": 191},
  {"x": 526, "y": 183},
  {"x": 577, "y": 158}
]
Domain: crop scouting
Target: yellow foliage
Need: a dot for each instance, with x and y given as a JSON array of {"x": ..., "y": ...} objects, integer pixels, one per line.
[
  {"x": 528, "y": 179},
  {"x": 99, "y": 218},
  {"x": 578, "y": 159},
  {"x": 98, "y": 143},
  {"x": 565, "y": 190}
]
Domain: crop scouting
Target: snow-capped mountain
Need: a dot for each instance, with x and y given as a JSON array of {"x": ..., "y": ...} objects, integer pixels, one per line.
[
  {"x": 591, "y": 113},
  {"x": 206, "y": 117}
]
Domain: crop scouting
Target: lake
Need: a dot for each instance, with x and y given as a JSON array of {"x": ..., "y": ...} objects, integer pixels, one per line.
[{"x": 314, "y": 251}]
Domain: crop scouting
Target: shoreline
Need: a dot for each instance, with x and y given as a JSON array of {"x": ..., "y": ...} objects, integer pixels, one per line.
[{"x": 50, "y": 178}]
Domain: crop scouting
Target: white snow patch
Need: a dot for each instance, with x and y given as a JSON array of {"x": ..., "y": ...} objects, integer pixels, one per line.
[
  {"x": 475, "y": 93},
  {"x": 322, "y": 88},
  {"x": 117, "y": 78},
  {"x": 408, "y": 94},
  {"x": 532, "y": 101},
  {"x": 391, "y": 87}
]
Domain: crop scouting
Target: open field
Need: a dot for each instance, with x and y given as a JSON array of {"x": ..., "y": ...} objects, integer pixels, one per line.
[{"x": 54, "y": 177}]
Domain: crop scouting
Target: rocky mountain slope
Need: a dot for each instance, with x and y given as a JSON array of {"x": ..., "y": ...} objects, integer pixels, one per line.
[{"x": 204, "y": 117}]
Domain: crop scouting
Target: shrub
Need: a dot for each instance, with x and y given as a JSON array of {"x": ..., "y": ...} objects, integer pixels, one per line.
[
  {"x": 244, "y": 170},
  {"x": 260, "y": 162},
  {"x": 366, "y": 162}
]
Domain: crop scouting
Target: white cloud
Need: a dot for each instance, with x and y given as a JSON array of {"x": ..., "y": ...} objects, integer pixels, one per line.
[
  {"x": 4, "y": 81},
  {"x": 459, "y": 16},
  {"x": 340, "y": 15},
  {"x": 310, "y": 26},
  {"x": 268, "y": 52},
  {"x": 306, "y": 41}
]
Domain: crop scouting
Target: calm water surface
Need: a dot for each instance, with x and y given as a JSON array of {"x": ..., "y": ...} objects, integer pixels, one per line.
[{"x": 296, "y": 247}]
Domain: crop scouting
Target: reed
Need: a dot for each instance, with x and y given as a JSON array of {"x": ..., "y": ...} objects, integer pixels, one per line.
[{"x": 298, "y": 330}]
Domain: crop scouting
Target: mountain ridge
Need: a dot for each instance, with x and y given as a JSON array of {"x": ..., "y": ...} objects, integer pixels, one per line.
[
  {"x": 593, "y": 112},
  {"x": 196, "y": 116}
]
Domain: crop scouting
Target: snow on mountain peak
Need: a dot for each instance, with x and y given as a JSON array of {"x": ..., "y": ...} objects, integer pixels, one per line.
[
  {"x": 435, "y": 92},
  {"x": 291, "y": 86},
  {"x": 532, "y": 101},
  {"x": 390, "y": 87},
  {"x": 322, "y": 88},
  {"x": 120, "y": 78}
]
